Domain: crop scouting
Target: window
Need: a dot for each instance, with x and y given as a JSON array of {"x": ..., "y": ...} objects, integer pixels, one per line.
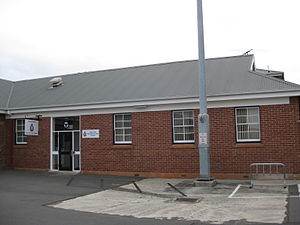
[
  {"x": 183, "y": 126},
  {"x": 20, "y": 132},
  {"x": 122, "y": 129},
  {"x": 247, "y": 124}
]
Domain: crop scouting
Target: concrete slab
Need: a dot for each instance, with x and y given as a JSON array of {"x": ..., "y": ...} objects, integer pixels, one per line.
[{"x": 214, "y": 207}]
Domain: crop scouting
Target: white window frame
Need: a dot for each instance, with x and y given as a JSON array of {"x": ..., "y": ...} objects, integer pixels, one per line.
[
  {"x": 22, "y": 130},
  {"x": 183, "y": 126},
  {"x": 122, "y": 128},
  {"x": 247, "y": 123}
]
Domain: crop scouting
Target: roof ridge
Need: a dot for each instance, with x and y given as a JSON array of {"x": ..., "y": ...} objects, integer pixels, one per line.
[
  {"x": 229, "y": 57},
  {"x": 137, "y": 66},
  {"x": 10, "y": 94},
  {"x": 107, "y": 70}
]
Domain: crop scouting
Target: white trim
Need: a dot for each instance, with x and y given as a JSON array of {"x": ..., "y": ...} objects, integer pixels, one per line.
[
  {"x": 236, "y": 126},
  {"x": 122, "y": 142},
  {"x": 3, "y": 111},
  {"x": 140, "y": 103},
  {"x": 16, "y": 131},
  {"x": 183, "y": 125},
  {"x": 115, "y": 109}
]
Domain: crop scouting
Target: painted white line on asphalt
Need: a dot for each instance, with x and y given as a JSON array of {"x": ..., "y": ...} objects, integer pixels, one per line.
[
  {"x": 235, "y": 190},
  {"x": 262, "y": 197}
]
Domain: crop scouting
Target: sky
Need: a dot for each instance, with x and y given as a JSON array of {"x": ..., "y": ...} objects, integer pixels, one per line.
[{"x": 40, "y": 38}]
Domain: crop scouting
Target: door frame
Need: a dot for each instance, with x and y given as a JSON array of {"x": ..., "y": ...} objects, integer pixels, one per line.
[{"x": 56, "y": 153}]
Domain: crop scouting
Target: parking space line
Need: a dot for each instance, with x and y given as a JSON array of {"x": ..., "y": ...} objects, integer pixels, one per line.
[
  {"x": 262, "y": 197},
  {"x": 235, "y": 190}
]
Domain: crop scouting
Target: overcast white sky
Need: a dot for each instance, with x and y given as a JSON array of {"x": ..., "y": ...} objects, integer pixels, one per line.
[{"x": 53, "y": 37}]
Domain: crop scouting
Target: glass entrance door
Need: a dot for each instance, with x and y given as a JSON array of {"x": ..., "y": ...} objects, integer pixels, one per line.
[{"x": 65, "y": 152}]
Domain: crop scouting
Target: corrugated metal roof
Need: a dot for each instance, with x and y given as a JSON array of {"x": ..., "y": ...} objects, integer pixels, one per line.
[
  {"x": 225, "y": 76},
  {"x": 5, "y": 89}
]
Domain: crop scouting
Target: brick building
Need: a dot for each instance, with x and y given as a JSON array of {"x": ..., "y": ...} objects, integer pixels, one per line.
[{"x": 142, "y": 120}]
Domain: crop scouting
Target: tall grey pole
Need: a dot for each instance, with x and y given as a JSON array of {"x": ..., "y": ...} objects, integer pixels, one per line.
[{"x": 203, "y": 118}]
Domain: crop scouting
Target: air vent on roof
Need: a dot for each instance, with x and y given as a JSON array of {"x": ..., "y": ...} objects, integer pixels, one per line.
[{"x": 55, "y": 82}]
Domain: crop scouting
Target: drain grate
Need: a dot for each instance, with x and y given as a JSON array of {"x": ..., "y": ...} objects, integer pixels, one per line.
[{"x": 187, "y": 199}]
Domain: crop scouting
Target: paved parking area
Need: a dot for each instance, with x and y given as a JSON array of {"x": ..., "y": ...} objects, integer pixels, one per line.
[
  {"x": 35, "y": 198},
  {"x": 215, "y": 205}
]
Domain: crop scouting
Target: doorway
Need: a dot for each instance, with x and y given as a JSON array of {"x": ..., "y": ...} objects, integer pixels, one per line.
[{"x": 65, "y": 155}]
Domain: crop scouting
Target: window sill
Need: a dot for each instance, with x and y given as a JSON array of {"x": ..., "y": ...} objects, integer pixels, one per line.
[
  {"x": 249, "y": 145},
  {"x": 184, "y": 146},
  {"x": 19, "y": 146},
  {"x": 122, "y": 146}
]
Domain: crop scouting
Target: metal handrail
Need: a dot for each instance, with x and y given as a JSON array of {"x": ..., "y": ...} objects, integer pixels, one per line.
[{"x": 267, "y": 168}]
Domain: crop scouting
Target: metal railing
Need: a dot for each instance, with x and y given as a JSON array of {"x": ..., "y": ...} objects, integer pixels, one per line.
[{"x": 268, "y": 171}]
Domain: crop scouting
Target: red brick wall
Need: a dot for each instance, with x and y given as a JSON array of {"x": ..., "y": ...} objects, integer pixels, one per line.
[
  {"x": 280, "y": 136},
  {"x": 4, "y": 152},
  {"x": 151, "y": 150},
  {"x": 36, "y": 153},
  {"x": 153, "y": 153}
]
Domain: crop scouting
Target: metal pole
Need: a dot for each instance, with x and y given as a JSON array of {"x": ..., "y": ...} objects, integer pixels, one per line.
[{"x": 203, "y": 118}]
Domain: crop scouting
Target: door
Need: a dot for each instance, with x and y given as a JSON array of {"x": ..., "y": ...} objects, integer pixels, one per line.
[{"x": 65, "y": 150}]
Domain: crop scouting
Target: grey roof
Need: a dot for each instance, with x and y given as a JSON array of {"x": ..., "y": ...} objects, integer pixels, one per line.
[
  {"x": 225, "y": 76},
  {"x": 5, "y": 89}
]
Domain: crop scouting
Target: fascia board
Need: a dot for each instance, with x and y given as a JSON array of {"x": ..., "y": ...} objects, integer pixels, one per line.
[{"x": 141, "y": 104}]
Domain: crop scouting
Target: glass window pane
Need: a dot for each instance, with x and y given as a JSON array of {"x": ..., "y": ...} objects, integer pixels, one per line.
[
  {"x": 127, "y": 124},
  {"x": 188, "y": 114},
  {"x": 189, "y": 137},
  {"x": 241, "y": 111},
  {"x": 76, "y": 162},
  {"x": 188, "y": 122},
  {"x": 55, "y": 162},
  {"x": 178, "y": 130},
  {"x": 179, "y": 137},
  {"x": 252, "y": 111},
  {"x": 55, "y": 142},
  {"x": 241, "y": 119},
  {"x": 253, "y": 135},
  {"x": 253, "y": 127},
  {"x": 119, "y": 124},
  {"x": 76, "y": 141},
  {"x": 178, "y": 122},
  {"x": 119, "y": 138},
  {"x": 127, "y": 117},
  {"x": 178, "y": 114},
  {"x": 119, "y": 131},
  {"x": 253, "y": 119},
  {"x": 243, "y": 128},
  {"x": 189, "y": 130},
  {"x": 127, "y": 137},
  {"x": 118, "y": 117},
  {"x": 128, "y": 131}
]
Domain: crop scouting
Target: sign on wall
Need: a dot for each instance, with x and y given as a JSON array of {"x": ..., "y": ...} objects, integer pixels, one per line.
[
  {"x": 91, "y": 133},
  {"x": 31, "y": 127},
  {"x": 203, "y": 138}
]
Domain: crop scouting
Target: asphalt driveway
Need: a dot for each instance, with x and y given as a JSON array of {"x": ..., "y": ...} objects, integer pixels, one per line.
[{"x": 25, "y": 196}]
